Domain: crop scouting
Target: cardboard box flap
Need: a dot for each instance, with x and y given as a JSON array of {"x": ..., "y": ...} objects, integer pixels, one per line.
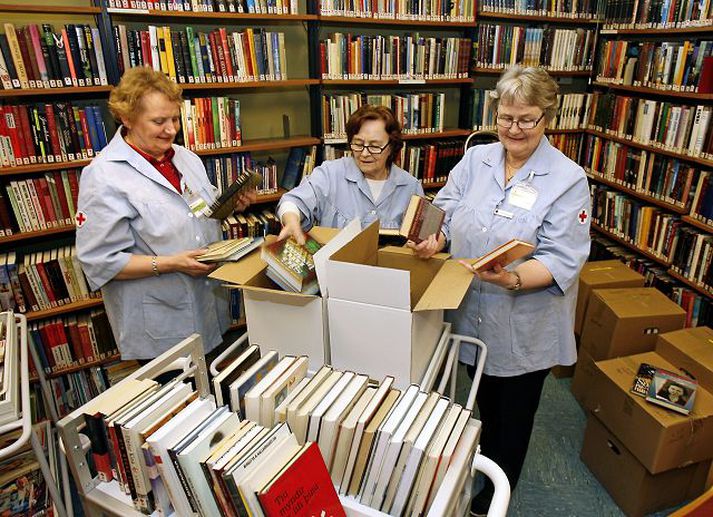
[
  {"x": 362, "y": 248},
  {"x": 639, "y": 301},
  {"x": 447, "y": 289},
  {"x": 607, "y": 271},
  {"x": 282, "y": 297},
  {"x": 241, "y": 272},
  {"x": 334, "y": 240}
]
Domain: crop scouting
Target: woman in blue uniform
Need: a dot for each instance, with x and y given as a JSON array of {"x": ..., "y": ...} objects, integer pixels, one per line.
[
  {"x": 137, "y": 236},
  {"x": 367, "y": 185},
  {"x": 519, "y": 188}
]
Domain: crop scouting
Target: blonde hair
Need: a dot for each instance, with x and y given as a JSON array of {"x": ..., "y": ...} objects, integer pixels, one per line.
[
  {"x": 528, "y": 85},
  {"x": 125, "y": 99}
]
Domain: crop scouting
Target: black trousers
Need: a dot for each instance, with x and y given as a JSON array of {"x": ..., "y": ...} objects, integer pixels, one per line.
[{"x": 507, "y": 408}]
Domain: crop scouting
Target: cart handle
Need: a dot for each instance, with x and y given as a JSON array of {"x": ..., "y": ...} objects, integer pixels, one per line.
[{"x": 501, "y": 497}]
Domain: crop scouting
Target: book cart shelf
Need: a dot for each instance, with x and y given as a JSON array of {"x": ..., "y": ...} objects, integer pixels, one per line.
[{"x": 103, "y": 498}]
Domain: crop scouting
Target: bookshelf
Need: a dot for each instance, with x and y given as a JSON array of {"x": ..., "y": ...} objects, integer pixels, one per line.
[{"x": 635, "y": 34}]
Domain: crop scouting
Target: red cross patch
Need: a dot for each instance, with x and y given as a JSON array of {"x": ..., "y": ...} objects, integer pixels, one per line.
[
  {"x": 80, "y": 219},
  {"x": 582, "y": 216}
]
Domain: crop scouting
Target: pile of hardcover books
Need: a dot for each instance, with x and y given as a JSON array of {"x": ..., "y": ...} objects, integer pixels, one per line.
[{"x": 291, "y": 265}]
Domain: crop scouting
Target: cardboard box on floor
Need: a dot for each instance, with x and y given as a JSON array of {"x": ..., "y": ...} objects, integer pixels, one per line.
[
  {"x": 386, "y": 307},
  {"x": 660, "y": 439},
  {"x": 602, "y": 274},
  {"x": 584, "y": 373},
  {"x": 691, "y": 350},
  {"x": 633, "y": 488},
  {"x": 627, "y": 321},
  {"x": 290, "y": 323}
]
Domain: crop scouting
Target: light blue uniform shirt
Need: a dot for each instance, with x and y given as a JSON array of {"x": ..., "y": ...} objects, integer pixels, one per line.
[
  {"x": 130, "y": 208},
  {"x": 336, "y": 192},
  {"x": 525, "y": 330}
]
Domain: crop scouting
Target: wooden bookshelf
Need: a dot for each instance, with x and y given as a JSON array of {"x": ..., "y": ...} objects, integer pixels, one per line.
[
  {"x": 556, "y": 73},
  {"x": 394, "y": 82},
  {"x": 433, "y": 185},
  {"x": 693, "y": 159},
  {"x": 46, "y": 9},
  {"x": 494, "y": 15},
  {"x": 599, "y": 178},
  {"x": 676, "y": 31},
  {"x": 270, "y": 198},
  {"x": 629, "y": 245},
  {"x": 698, "y": 224},
  {"x": 42, "y": 167},
  {"x": 562, "y": 131},
  {"x": 23, "y": 236},
  {"x": 690, "y": 283},
  {"x": 354, "y": 20},
  {"x": 80, "y": 367},
  {"x": 263, "y": 144},
  {"x": 196, "y": 16},
  {"x": 645, "y": 90},
  {"x": 65, "y": 90},
  {"x": 446, "y": 133},
  {"x": 287, "y": 83},
  {"x": 64, "y": 309}
]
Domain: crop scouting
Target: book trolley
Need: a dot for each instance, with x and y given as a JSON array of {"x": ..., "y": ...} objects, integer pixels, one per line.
[
  {"x": 18, "y": 323},
  {"x": 105, "y": 498}
]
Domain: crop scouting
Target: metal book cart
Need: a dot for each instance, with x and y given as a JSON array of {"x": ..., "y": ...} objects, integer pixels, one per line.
[
  {"x": 24, "y": 423},
  {"x": 100, "y": 498}
]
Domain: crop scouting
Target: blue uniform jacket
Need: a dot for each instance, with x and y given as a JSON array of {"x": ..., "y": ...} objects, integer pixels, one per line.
[
  {"x": 336, "y": 192},
  {"x": 130, "y": 208},
  {"x": 525, "y": 330}
]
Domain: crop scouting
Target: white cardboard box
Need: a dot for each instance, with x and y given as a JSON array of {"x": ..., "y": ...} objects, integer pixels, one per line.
[
  {"x": 386, "y": 307},
  {"x": 290, "y": 323}
]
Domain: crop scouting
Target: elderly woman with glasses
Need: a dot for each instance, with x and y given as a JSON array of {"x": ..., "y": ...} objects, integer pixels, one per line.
[
  {"x": 366, "y": 185},
  {"x": 518, "y": 188}
]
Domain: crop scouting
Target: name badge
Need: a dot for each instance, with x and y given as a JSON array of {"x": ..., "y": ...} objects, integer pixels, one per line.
[
  {"x": 522, "y": 196},
  {"x": 503, "y": 213},
  {"x": 195, "y": 202}
]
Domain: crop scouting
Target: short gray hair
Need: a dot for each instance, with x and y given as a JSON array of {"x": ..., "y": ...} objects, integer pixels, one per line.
[{"x": 529, "y": 85}]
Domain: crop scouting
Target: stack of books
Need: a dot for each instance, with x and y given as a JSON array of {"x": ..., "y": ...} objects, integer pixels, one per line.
[{"x": 291, "y": 265}]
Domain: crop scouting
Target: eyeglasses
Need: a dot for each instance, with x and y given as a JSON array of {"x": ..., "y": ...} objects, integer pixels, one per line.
[
  {"x": 373, "y": 149},
  {"x": 507, "y": 122}
]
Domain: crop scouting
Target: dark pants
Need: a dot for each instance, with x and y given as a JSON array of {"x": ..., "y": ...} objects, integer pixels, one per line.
[{"x": 507, "y": 408}]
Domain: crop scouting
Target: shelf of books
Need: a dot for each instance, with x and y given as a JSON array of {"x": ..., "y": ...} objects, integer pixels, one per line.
[
  {"x": 26, "y": 236},
  {"x": 42, "y": 9},
  {"x": 329, "y": 19},
  {"x": 227, "y": 16},
  {"x": 663, "y": 92},
  {"x": 488, "y": 12}
]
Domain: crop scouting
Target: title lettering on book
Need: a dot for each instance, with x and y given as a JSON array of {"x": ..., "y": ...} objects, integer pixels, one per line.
[{"x": 299, "y": 500}]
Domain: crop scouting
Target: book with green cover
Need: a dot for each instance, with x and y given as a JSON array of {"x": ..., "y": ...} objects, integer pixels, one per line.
[{"x": 291, "y": 265}]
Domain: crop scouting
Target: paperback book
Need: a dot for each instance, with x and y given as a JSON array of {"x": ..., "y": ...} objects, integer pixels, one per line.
[{"x": 672, "y": 391}]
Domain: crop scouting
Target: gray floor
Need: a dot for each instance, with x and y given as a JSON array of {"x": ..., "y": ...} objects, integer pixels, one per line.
[{"x": 554, "y": 480}]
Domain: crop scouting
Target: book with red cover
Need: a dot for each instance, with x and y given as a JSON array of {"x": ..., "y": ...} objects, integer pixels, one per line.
[
  {"x": 503, "y": 255},
  {"x": 302, "y": 488},
  {"x": 421, "y": 220}
]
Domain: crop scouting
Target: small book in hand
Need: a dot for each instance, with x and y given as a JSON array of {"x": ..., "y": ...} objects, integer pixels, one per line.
[
  {"x": 224, "y": 205},
  {"x": 503, "y": 255},
  {"x": 230, "y": 250},
  {"x": 672, "y": 391},
  {"x": 421, "y": 220},
  {"x": 291, "y": 265}
]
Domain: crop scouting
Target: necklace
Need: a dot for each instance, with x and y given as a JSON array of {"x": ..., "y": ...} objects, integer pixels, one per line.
[{"x": 510, "y": 170}]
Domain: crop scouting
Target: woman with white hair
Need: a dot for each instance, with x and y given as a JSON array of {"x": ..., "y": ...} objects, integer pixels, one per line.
[{"x": 518, "y": 188}]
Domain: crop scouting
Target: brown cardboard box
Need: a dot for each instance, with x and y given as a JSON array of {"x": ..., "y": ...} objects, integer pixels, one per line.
[
  {"x": 627, "y": 321},
  {"x": 602, "y": 274},
  {"x": 584, "y": 374},
  {"x": 690, "y": 350},
  {"x": 660, "y": 439},
  {"x": 633, "y": 488}
]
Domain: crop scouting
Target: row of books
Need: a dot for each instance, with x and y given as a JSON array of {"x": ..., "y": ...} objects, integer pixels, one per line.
[
  {"x": 70, "y": 341},
  {"x": 43, "y": 280},
  {"x": 702, "y": 203},
  {"x": 647, "y": 227},
  {"x": 651, "y": 14},
  {"x": 692, "y": 259},
  {"x": 39, "y": 203},
  {"x": 194, "y": 56},
  {"x": 500, "y": 46},
  {"x": 251, "y": 224},
  {"x": 409, "y": 56},
  {"x": 662, "y": 177},
  {"x": 431, "y": 162},
  {"x": 50, "y": 133},
  {"x": 300, "y": 163},
  {"x": 666, "y": 65},
  {"x": 577, "y": 9},
  {"x": 676, "y": 127},
  {"x": 34, "y": 57},
  {"x": 74, "y": 389},
  {"x": 569, "y": 144},
  {"x": 211, "y": 122},
  {"x": 210, "y": 6},
  {"x": 429, "y": 10},
  {"x": 698, "y": 307}
]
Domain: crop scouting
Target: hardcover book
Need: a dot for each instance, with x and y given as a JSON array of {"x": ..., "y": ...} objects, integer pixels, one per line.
[
  {"x": 224, "y": 205},
  {"x": 421, "y": 220},
  {"x": 672, "y": 391},
  {"x": 291, "y": 265},
  {"x": 503, "y": 255}
]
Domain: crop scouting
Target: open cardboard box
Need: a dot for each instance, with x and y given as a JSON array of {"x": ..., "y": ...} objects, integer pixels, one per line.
[
  {"x": 290, "y": 323},
  {"x": 386, "y": 306}
]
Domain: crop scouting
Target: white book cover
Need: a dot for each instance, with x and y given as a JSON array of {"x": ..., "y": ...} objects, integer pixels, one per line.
[
  {"x": 166, "y": 437},
  {"x": 252, "y": 397},
  {"x": 249, "y": 353},
  {"x": 334, "y": 416},
  {"x": 298, "y": 419},
  {"x": 281, "y": 409},
  {"x": 247, "y": 380},
  {"x": 280, "y": 389},
  {"x": 296, "y": 401},
  {"x": 198, "y": 450},
  {"x": 316, "y": 415}
]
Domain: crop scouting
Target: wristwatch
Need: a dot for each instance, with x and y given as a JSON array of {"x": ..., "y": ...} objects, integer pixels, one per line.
[{"x": 518, "y": 282}]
